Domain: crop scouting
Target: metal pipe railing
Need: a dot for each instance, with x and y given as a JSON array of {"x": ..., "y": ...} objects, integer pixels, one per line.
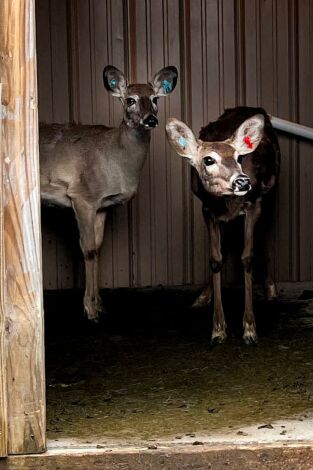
[{"x": 292, "y": 127}]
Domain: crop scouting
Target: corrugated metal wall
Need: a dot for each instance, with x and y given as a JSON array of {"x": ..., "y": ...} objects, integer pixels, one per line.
[{"x": 228, "y": 52}]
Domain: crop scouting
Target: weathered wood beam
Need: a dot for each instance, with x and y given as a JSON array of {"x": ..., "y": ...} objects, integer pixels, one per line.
[
  {"x": 296, "y": 456},
  {"x": 3, "y": 395},
  {"x": 22, "y": 283}
]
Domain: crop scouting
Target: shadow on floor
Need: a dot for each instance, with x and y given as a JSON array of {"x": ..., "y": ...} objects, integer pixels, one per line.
[{"x": 147, "y": 370}]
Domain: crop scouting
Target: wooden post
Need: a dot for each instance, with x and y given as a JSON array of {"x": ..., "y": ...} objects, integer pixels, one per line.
[
  {"x": 3, "y": 395},
  {"x": 22, "y": 283}
]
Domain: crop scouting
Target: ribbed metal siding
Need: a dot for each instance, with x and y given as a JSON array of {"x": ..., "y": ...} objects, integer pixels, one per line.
[{"x": 229, "y": 52}]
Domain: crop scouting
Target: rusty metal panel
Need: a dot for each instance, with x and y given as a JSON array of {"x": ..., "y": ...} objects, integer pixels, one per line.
[{"x": 228, "y": 52}]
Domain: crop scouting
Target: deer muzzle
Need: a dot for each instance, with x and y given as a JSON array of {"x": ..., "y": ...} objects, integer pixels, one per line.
[
  {"x": 241, "y": 185},
  {"x": 150, "y": 121}
]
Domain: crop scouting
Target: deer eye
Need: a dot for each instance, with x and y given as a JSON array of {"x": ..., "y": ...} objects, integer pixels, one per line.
[
  {"x": 239, "y": 159},
  {"x": 155, "y": 100},
  {"x": 209, "y": 161},
  {"x": 130, "y": 101}
]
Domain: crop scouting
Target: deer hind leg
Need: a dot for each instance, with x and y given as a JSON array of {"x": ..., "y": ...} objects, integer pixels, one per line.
[
  {"x": 249, "y": 335},
  {"x": 219, "y": 325},
  {"x": 206, "y": 295},
  {"x": 99, "y": 233},
  {"x": 270, "y": 286},
  {"x": 91, "y": 227}
]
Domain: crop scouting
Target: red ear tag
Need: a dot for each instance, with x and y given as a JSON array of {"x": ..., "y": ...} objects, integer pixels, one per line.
[{"x": 248, "y": 142}]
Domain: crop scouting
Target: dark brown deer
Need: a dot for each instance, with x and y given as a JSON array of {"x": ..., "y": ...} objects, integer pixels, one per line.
[
  {"x": 235, "y": 165},
  {"x": 91, "y": 168}
]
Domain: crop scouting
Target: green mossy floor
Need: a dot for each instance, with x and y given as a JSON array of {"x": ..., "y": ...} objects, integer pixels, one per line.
[{"x": 147, "y": 371}]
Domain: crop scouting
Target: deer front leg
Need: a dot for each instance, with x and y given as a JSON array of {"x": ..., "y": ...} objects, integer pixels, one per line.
[
  {"x": 91, "y": 227},
  {"x": 252, "y": 215},
  {"x": 219, "y": 325}
]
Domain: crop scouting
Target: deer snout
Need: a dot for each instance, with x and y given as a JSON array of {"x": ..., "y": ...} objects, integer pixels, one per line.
[
  {"x": 241, "y": 185},
  {"x": 150, "y": 121}
]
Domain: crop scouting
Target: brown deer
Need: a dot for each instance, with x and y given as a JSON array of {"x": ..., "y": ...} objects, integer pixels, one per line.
[
  {"x": 235, "y": 164},
  {"x": 91, "y": 168}
]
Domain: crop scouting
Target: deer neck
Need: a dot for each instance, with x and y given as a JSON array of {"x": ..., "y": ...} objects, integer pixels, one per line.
[
  {"x": 136, "y": 142},
  {"x": 135, "y": 136}
]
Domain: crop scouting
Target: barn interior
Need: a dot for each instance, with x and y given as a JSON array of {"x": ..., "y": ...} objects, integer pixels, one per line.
[{"x": 146, "y": 373}]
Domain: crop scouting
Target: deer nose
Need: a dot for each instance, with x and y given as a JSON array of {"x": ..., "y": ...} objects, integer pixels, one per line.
[
  {"x": 241, "y": 184},
  {"x": 150, "y": 121}
]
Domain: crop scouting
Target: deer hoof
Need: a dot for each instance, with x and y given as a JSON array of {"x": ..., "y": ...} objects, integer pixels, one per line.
[
  {"x": 271, "y": 293},
  {"x": 93, "y": 307},
  {"x": 218, "y": 337},
  {"x": 99, "y": 305},
  {"x": 92, "y": 315},
  {"x": 201, "y": 301},
  {"x": 250, "y": 337}
]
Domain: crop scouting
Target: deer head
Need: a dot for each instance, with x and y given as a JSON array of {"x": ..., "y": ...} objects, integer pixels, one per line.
[
  {"x": 218, "y": 163},
  {"x": 140, "y": 100}
]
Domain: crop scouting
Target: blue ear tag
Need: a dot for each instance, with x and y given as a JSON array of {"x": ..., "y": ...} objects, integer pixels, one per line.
[
  {"x": 113, "y": 83},
  {"x": 182, "y": 142},
  {"x": 167, "y": 86}
]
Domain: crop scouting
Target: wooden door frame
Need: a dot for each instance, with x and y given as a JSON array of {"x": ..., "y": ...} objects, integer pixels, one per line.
[
  {"x": 22, "y": 381},
  {"x": 3, "y": 396}
]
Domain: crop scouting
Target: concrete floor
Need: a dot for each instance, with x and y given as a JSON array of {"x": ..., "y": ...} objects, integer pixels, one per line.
[{"x": 146, "y": 376}]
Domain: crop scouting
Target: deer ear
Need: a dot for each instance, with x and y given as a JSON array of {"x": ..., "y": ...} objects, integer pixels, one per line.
[
  {"x": 248, "y": 135},
  {"x": 114, "y": 81},
  {"x": 181, "y": 138},
  {"x": 164, "y": 82}
]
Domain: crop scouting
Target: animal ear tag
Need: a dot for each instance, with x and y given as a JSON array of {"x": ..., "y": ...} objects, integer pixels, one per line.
[
  {"x": 182, "y": 142},
  {"x": 167, "y": 86},
  {"x": 248, "y": 142},
  {"x": 113, "y": 83}
]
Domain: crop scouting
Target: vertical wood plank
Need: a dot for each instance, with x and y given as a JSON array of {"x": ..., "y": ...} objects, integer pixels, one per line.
[
  {"x": 22, "y": 239},
  {"x": 3, "y": 375}
]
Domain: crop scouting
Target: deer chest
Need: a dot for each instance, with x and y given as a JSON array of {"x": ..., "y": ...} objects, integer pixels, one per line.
[{"x": 227, "y": 208}]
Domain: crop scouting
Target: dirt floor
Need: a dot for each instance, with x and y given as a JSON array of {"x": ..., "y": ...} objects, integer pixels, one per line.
[{"x": 147, "y": 372}]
